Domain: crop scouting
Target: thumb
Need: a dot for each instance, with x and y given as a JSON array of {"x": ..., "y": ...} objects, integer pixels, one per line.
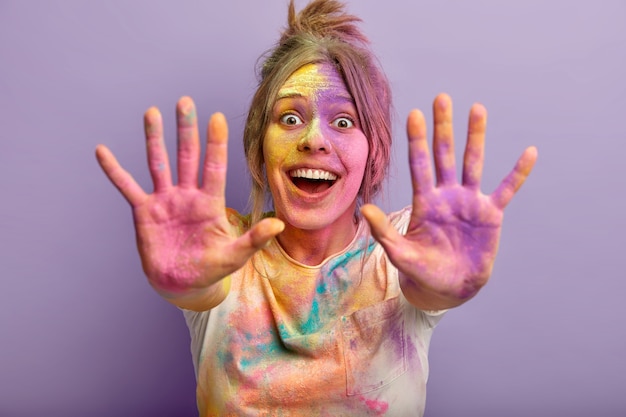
[
  {"x": 257, "y": 237},
  {"x": 381, "y": 227}
]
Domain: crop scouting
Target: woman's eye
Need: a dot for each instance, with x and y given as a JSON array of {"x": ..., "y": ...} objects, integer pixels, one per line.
[
  {"x": 291, "y": 120},
  {"x": 343, "y": 123}
]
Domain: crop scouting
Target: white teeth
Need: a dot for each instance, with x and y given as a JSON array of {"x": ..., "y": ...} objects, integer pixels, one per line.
[{"x": 313, "y": 174}]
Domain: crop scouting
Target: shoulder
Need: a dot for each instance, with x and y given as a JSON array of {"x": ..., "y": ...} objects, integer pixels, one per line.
[
  {"x": 242, "y": 222},
  {"x": 400, "y": 219}
]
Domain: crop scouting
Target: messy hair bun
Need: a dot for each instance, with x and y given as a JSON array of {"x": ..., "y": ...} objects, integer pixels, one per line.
[{"x": 324, "y": 19}]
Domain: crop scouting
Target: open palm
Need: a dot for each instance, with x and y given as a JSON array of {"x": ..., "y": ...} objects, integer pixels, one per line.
[
  {"x": 184, "y": 238},
  {"x": 448, "y": 250}
]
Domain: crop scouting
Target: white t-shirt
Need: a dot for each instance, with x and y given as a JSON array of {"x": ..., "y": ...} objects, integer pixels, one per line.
[{"x": 336, "y": 339}]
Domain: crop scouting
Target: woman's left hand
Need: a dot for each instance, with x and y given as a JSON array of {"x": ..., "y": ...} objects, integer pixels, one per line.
[{"x": 448, "y": 251}]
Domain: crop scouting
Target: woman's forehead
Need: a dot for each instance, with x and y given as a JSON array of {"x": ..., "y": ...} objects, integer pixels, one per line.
[{"x": 314, "y": 80}]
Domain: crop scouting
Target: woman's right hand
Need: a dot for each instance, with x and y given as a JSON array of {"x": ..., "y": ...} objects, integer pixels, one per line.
[{"x": 186, "y": 243}]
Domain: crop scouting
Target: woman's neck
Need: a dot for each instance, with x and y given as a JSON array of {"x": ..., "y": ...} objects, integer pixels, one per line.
[{"x": 312, "y": 247}]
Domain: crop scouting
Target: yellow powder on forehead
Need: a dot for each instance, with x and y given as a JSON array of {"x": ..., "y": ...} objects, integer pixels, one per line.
[{"x": 311, "y": 79}]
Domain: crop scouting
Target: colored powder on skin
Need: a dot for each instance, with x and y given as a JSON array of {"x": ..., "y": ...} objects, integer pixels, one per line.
[
  {"x": 153, "y": 130},
  {"x": 310, "y": 78},
  {"x": 319, "y": 89},
  {"x": 188, "y": 118}
]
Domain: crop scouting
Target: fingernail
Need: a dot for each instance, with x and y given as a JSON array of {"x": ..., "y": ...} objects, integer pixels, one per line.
[
  {"x": 152, "y": 122},
  {"x": 478, "y": 113},
  {"x": 187, "y": 112}
]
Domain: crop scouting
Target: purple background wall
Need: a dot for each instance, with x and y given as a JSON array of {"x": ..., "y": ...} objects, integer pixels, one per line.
[{"x": 81, "y": 333}]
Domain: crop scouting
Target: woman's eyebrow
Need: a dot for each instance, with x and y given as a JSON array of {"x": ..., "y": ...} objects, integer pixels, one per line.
[
  {"x": 285, "y": 94},
  {"x": 289, "y": 94}
]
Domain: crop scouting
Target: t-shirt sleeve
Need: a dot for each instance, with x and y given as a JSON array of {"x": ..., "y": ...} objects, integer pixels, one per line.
[
  {"x": 196, "y": 323},
  {"x": 432, "y": 317}
]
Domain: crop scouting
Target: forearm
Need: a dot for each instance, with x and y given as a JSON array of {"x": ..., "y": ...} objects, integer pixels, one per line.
[{"x": 196, "y": 299}]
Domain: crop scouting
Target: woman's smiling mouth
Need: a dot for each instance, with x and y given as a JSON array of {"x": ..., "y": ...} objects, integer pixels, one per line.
[{"x": 312, "y": 181}]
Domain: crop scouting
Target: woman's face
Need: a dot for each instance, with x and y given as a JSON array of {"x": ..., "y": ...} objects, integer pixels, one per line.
[{"x": 314, "y": 150}]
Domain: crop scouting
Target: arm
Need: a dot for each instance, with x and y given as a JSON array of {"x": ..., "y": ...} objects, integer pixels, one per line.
[
  {"x": 187, "y": 247},
  {"x": 448, "y": 251}
]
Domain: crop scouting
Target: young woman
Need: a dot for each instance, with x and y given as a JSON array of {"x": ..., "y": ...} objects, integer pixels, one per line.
[{"x": 325, "y": 306}]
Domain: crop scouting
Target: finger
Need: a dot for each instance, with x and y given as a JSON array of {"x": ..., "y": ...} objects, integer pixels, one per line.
[
  {"x": 257, "y": 237},
  {"x": 443, "y": 141},
  {"x": 121, "y": 179},
  {"x": 419, "y": 155},
  {"x": 188, "y": 143},
  {"x": 158, "y": 161},
  {"x": 512, "y": 182},
  {"x": 475, "y": 148},
  {"x": 216, "y": 159},
  {"x": 382, "y": 230}
]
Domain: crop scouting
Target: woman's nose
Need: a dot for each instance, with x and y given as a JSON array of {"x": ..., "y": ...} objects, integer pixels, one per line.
[{"x": 314, "y": 140}]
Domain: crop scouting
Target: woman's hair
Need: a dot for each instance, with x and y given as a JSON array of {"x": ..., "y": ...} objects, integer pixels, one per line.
[{"x": 322, "y": 33}]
